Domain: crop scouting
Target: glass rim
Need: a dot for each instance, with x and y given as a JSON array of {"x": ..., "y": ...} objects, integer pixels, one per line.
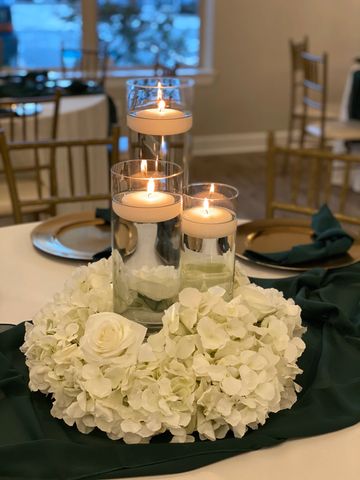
[
  {"x": 179, "y": 171},
  {"x": 185, "y": 82},
  {"x": 198, "y": 184}
]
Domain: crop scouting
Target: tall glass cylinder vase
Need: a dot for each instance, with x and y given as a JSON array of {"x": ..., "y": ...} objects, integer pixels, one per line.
[
  {"x": 159, "y": 117},
  {"x": 208, "y": 230},
  {"x": 146, "y": 208}
]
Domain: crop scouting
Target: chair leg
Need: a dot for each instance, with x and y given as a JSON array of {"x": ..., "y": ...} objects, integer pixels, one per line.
[
  {"x": 346, "y": 181},
  {"x": 289, "y": 141},
  {"x": 302, "y": 138}
]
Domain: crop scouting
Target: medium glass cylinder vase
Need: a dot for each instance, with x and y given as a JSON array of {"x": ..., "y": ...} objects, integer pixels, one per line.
[
  {"x": 208, "y": 230},
  {"x": 146, "y": 208},
  {"x": 159, "y": 117}
]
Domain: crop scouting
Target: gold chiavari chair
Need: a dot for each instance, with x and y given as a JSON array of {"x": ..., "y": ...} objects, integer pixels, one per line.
[
  {"x": 296, "y": 106},
  {"x": 296, "y": 85},
  {"x": 303, "y": 190},
  {"x": 164, "y": 71},
  {"x": 315, "y": 99},
  {"x": 46, "y": 199},
  {"x": 24, "y": 123},
  {"x": 84, "y": 63}
]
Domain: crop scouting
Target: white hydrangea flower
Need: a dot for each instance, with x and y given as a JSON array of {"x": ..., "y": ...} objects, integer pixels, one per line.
[{"x": 215, "y": 366}]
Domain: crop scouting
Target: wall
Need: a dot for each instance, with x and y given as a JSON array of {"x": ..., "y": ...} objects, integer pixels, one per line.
[
  {"x": 251, "y": 58},
  {"x": 248, "y": 94}
]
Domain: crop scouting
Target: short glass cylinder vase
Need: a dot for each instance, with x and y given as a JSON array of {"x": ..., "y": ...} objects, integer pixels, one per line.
[
  {"x": 208, "y": 231},
  {"x": 159, "y": 117},
  {"x": 146, "y": 208}
]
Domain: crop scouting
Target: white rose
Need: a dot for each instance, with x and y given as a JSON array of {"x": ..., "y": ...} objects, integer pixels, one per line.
[
  {"x": 158, "y": 283},
  {"x": 111, "y": 338}
]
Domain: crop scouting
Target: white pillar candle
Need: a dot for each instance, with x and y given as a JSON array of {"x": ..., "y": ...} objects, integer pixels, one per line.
[
  {"x": 151, "y": 121},
  {"x": 147, "y": 206},
  {"x": 208, "y": 222}
]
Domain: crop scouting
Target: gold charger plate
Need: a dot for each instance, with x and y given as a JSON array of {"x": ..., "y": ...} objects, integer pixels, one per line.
[
  {"x": 279, "y": 234},
  {"x": 76, "y": 236}
]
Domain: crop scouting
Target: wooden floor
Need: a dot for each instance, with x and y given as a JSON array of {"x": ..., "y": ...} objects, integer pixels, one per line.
[{"x": 246, "y": 172}]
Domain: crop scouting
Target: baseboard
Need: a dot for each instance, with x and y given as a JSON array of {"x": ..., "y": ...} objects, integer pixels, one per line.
[{"x": 233, "y": 143}]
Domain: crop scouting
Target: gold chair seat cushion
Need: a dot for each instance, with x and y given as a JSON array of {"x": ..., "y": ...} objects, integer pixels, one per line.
[{"x": 336, "y": 130}]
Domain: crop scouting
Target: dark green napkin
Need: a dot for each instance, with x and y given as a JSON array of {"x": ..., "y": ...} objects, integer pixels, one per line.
[
  {"x": 33, "y": 445},
  {"x": 104, "y": 214},
  {"x": 329, "y": 240}
]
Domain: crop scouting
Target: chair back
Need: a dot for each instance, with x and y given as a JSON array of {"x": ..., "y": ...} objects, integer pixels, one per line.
[
  {"x": 85, "y": 63},
  {"x": 296, "y": 71},
  {"x": 22, "y": 123},
  {"x": 296, "y": 49},
  {"x": 75, "y": 171},
  {"x": 161, "y": 70},
  {"x": 307, "y": 182},
  {"x": 296, "y": 90},
  {"x": 315, "y": 91}
]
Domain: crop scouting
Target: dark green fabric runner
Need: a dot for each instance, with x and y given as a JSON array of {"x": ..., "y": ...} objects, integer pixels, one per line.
[{"x": 34, "y": 445}]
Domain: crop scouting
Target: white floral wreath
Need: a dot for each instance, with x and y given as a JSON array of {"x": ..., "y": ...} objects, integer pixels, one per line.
[{"x": 215, "y": 366}]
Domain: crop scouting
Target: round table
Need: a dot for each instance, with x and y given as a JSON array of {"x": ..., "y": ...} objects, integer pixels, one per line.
[{"x": 29, "y": 279}]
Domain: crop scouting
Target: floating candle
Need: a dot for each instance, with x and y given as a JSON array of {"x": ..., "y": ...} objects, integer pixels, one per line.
[
  {"x": 207, "y": 221},
  {"x": 159, "y": 120},
  {"x": 148, "y": 206}
]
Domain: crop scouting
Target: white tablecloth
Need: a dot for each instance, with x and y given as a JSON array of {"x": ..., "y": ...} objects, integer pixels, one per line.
[{"x": 28, "y": 279}]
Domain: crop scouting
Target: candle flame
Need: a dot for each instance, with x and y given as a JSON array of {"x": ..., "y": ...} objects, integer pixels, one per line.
[
  {"x": 143, "y": 167},
  {"x": 150, "y": 187},
  {"x": 161, "y": 106},
  {"x": 161, "y": 103},
  {"x": 206, "y": 207},
  {"x": 159, "y": 91},
  {"x": 212, "y": 188}
]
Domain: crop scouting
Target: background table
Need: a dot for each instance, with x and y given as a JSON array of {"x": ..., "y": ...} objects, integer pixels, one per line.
[{"x": 28, "y": 279}]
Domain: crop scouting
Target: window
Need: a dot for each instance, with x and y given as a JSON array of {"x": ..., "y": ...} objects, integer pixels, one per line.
[
  {"x": 39, "y": 27},
  {"x": 149, "y": 31},
  {"x": 139, "y": 33}
]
